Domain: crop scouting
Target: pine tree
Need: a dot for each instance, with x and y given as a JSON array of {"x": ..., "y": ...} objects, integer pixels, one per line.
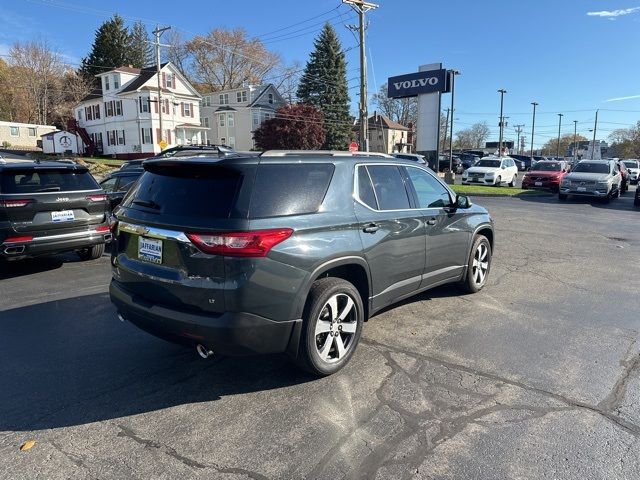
[
  {"x": 111, "y": 48},
  {"x": 141, "y": 50},
  {"x": 324, "y": 85}
]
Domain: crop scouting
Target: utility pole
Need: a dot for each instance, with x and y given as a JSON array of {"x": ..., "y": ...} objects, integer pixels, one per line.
[
  {"x": 502, "y": 91},
  {"x": 533, "y": 128},
  {"x": 595, "y": 130},
  {"x": 575, "y": 139},
  {"x": 158, "y": 32},
  {"x": 453, "y": 74},
  {"x": 560, "y": 115},
  {"x": 518, "y": 129},
  {"x": 446, "y": 130},
  {"x": 362, "y": 7}
]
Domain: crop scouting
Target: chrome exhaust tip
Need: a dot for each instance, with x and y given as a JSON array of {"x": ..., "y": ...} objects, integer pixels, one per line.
[
  {"x": 14, "y": 250},
  {"x": 203, "y": 351}
]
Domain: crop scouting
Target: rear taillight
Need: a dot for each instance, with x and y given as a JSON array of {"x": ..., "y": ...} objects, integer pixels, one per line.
[
  {"x": 17, "y": 239},
  {"x": 240, "y": 244},
  {"x": 97, "y": 198},
  {"x": 104, "y": 228},
  {"x": 113, "y": 225},
  {"x": 22, "y": 202}
]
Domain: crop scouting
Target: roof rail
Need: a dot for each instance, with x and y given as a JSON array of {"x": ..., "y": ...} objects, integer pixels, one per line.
[{"x": 322, "y": 153}]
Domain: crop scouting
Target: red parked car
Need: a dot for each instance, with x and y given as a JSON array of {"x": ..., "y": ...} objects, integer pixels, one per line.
[
  {"x": 545, "y": 175},
  {"x": 626, "y": 177}
]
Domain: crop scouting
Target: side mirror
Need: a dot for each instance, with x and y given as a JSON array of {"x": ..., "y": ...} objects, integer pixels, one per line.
[
  {"x": 504, "y": 167},
  {"x": 463, "y": 202}
]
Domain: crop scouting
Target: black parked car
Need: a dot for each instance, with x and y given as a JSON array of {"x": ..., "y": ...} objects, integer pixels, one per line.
[
  {"x": 117, "y": 184},
  {"x": 467, "y": 160},
  {"x": 51, "y": 207},
  {"x": 443, "y": 163},
  {"x": 288, "y": 253}
]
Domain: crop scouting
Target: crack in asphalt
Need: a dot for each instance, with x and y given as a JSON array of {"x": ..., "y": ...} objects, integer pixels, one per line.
[{"x": 614, "y": 400}]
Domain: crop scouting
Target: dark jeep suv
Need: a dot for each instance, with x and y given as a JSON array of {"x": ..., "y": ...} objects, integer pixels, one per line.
[
  {"x": 51, "y": 207},
  {"x": 288, "y": 252}
]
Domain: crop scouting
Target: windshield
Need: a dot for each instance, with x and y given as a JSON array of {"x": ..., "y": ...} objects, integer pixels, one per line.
[
  {"x": 631, "y": 164},
  {"x": 488, "y": 163},
  {"x": 587, "y": 167},
  {"x": 547, "y": 167}
]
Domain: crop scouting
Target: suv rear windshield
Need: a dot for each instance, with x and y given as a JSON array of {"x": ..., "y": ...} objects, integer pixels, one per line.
[
  {"x": 46, "y": 180},
  {"x": 217, "y": 192}
]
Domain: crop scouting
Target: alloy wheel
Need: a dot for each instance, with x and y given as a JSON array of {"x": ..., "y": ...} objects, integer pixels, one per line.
[
  {"x": 480, "y": 264},
  {"x": 336, "y": 328}
]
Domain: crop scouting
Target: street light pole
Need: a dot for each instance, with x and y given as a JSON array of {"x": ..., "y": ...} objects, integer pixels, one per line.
[
  {"x": 453, "y": 74},
  {"x": 595, "y": 130},
  {"x": 575, "y": 137},
  {"x": 502, "y": 91},
  {"x": 533, "y": 128},
  {"x": 560, "y": 115}
]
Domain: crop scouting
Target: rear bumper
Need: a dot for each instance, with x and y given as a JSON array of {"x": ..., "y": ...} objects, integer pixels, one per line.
[
  {"x": 231, "y": 333},
  {"x": 53, "y": 243},
  {"x": 546, "y": 185}
]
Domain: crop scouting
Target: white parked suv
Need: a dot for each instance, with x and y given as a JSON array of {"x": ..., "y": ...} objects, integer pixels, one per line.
[
  {"x": 492, "y": 171},
  {"x": 634, "y": 170}
]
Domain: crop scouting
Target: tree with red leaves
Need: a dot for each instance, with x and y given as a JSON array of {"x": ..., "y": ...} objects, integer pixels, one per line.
[{"x": 295, "y": 127}]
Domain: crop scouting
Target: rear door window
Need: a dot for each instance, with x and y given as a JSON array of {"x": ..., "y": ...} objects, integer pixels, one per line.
[
  {"x": 45, "y": 180},
  {"x": 389, "y": 187},
  {"x": 289, "y": 189}
]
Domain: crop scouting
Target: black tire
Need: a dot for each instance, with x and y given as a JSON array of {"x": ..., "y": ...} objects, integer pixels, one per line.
[
  {"x": 636, "y": 201},
  {"x": 91, "y": 253},
  {"x": 498, "y": 182},
  {"x": 562, "y": 197},
  {"x": 469, "y": 283},
  {"x": 309, "y": 358},
  {"x": 513, "y": 181}
]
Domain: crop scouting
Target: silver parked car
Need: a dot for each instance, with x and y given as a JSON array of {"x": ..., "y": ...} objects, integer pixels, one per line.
[{"x": 592, "y": 178}]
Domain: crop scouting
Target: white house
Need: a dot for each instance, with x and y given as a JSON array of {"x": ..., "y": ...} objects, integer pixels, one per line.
[
  {"x": 122, "y": 116},
  {"x": 231, "y": 116},
  {"x": 60, "y": 142},
  {"x": 22, "y": 135}
]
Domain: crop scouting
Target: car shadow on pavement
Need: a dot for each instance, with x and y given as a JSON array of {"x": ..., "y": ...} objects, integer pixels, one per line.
[
  {"x": 71, "y": 362},
  {"x": 30, "y": 266},
  {"x": 624, "y": 203}
]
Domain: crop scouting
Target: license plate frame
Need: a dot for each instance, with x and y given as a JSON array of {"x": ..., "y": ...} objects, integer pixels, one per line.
[
  {"x": 150, "y": 250},
  {"x": 538, "y": 184},
  {"x": 62, "y": 216},
  {"x": 582, "y": 189}
]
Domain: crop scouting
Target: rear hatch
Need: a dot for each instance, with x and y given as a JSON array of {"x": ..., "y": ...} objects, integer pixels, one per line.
[
  {"x": 155, "y": 260},
  {"x": 50, "y": 200}
]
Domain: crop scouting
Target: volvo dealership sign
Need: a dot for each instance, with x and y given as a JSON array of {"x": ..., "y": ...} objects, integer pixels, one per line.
[{"x": 418, "y": 83}]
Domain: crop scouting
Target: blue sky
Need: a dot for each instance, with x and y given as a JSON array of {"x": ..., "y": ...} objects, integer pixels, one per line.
[{"x": 570, "y": 56}]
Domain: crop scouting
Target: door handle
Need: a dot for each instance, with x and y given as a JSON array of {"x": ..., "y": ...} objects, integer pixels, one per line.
[
  {"x": 371, "y": 228},
  {"x": 431, "y": 221}
]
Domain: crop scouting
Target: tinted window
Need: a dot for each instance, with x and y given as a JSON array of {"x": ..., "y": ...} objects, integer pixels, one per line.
[
  {"x": 127, "y": 181},
  {"x": 591, "y": 167},
  {"x": 46, "y": 180},
  {"x": 289, "y": 189},
  {"x": 548, "y": 167},
  {"x": 365, "y": 189},
  {"x": 389, "y": 187},
  {"x": 631, "y": 164},
  {"x": 186, "y": 192},
  {"x": 431, "y": 193},
  {"x": 109, "y": 184}
]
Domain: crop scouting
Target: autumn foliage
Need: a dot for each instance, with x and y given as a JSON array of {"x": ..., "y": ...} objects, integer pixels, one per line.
[{"x": 295, "y": 127}]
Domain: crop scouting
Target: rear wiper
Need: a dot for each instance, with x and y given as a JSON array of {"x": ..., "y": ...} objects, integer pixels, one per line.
[
  {"x": 49, "y": 189},
  {"x": 147, "y": 203}
]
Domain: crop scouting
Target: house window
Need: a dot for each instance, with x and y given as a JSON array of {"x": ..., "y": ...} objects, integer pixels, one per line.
[
  {"x": 165, "y": 106},
  {"x": 116, "y": 81},
  {"x": 241, "y": 96},
  {"x": 96, "y": 111},
  {"x": 169, "y": 80},
  {"x": 230, "y": 120},
  {"x": 106, "y": 82},
  {"x": 15, "y": 131},
  {"x": 232, "y": 142},
  {"x": 270, "y": 98},
  {"x": 32, "y": 132},
  {"x": 79, "y": 114},
  {"x": 205, "y": 122},
  {"x": 89, "y": 113},
  {"x": 187, "y": 109},
  {"x": 224, "y": 98},
  {"x": 118, "y": 105},
  {"x": 168, "y": 137},
  {"x": 221, "y": 119},
  {"x": 108, "y": 109},
  {"x": 111, "y": 137},
  {"x": 144, "y": 104},
  {"x": 223, "y": 141},
  {"x": 146, "y": 135},
  {"x": 120, "y": 137},
  {"x": 256, "y": 118}
]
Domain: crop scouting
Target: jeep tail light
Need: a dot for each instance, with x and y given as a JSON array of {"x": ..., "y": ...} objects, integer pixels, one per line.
[
  {"x": 104, "y": 228},
  {"x": 255, "y": 243},
  {"x": 23, "y": 202},
  {"x": 97, "y": 198}
]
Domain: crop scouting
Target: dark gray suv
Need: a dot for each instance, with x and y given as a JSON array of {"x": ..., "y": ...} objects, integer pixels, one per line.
[{"x": 288, "y": 252}]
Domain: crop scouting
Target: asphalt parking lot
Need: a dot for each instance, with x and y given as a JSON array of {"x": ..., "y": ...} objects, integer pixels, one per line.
[{"x": 537, "y": 376}]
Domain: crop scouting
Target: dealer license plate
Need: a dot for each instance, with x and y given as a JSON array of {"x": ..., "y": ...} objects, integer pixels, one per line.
[
  {"x": 582, "y": 189},
  {"x": 150, "y": 250},
  {"x": 538, "y": 184},
  {"x": 62, "y": 216}
]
